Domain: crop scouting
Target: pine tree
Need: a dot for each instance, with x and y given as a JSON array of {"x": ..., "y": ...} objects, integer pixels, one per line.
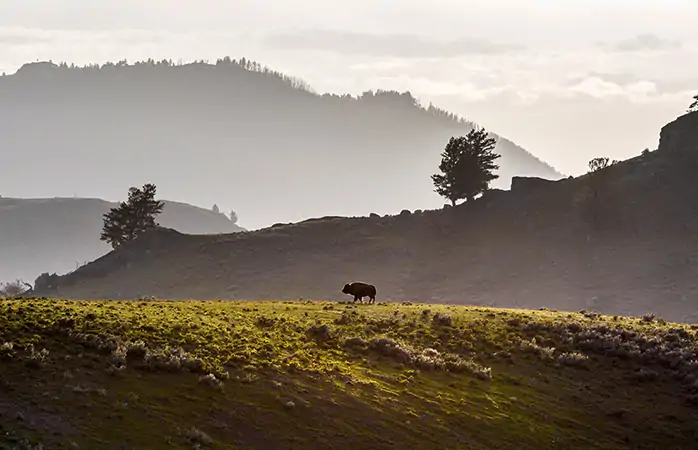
[
  {"x": 129, "y": 220},
  {"x": 694, "y": 105},
  {"x": 467, "y": 166}
]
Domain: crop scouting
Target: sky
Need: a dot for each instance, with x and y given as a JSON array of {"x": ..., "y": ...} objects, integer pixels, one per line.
[{"x": 567, "y": 80}]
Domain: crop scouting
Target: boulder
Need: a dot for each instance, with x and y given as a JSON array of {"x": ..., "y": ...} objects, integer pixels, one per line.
[{"x": 528, "y": 184}]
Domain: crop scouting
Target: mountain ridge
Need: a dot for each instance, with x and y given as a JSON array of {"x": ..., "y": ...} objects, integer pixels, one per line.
[{"x": 205, "y": 132}]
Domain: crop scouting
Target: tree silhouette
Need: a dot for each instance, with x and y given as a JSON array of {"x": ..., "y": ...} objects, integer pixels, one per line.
[
  {"x": 129, "y": 220},
  {"x": 596, "y": 197},
  {"x": 467, "y": 166},
  {"x": 694, "y": 105},
  {"x": 597, "y": 164}
]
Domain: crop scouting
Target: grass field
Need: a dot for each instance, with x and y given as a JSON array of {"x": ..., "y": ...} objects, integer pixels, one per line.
[{"x": 194, "y": 374}]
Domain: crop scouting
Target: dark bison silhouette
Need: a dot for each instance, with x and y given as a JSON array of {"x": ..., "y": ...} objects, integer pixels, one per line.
[{"x": 360, "y": 290}]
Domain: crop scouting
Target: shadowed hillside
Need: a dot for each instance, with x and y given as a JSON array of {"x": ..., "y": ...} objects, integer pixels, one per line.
[
  {"x": 632, "y": 251},
  {"x": 58, "y": 234},
  {"x": 233, "y": 132}
]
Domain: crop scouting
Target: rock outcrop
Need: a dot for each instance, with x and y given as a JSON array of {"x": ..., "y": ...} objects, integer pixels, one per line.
[
  {"x": 680, "y": 135},
  {"x": 528, "y": 184}
]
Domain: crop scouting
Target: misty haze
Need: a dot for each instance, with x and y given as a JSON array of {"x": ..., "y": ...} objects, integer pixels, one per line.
[{"x": 398, "y": 225}]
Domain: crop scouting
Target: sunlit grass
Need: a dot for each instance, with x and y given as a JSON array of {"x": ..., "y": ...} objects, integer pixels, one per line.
[{"x": 434, "y": 374}]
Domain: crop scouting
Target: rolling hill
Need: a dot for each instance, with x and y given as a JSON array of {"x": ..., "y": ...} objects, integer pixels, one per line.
[
  {"x": 233, "y": 133},
  {"x": 59, "y": 234},
  {"x": 298, "y": 375},
  {"x": 631, "y": 251}
]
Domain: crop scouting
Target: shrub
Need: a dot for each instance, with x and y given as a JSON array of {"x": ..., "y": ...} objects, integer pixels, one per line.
[
  {"x": 136, "y": 349},
  {"x": 265, "y": 322},
  {"x": 115, "y": 370},
  {"x": 470, "y": 366},
  {"x": 319, "y": 332},
  {"x": 118, "y": 355},
  {"x": 355, "y": 342},
  {"x": 392, "y": 348},
  {"x": 649, "y": 317},
  {"x": 533, "y": 347},
  {"x": 211, "y": 381},
  {"x": 429, "y": 358},
  {"x": 36, "y": 359},
  {"x": 196, "y": 436},
  {"x": 346, "y": 318},
  {"x": 442, "y": 319},
  {"x": 514, "y": 322},
  {"x": 7, "y": 350},
  {"x": 572, "y": 359},
  {"x": 171, "y": 360}
]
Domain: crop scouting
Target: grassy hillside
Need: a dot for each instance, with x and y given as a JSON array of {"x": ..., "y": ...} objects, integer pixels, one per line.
[
  {"x": 624, "y": 243},
  {"x": 57, "y": 234},
  {"x": 176, "y": 374},
  {"x": 204, "y": 134}
]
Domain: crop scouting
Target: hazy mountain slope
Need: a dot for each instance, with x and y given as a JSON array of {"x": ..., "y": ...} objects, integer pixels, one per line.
[
  {"x": 57, "y": 234},
  {"x": 528, "y": 248},
  {"x": 222, "y": 133}
]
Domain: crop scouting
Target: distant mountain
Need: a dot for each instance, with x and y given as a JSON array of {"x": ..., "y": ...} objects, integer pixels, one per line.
[
  {"x": 627, "y": 245},
  {"x": 234, "y": 132},
  {"x": 58, "y": 234}
]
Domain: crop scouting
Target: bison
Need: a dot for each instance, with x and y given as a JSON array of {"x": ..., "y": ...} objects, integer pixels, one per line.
[{"x": 360, "y": 290}]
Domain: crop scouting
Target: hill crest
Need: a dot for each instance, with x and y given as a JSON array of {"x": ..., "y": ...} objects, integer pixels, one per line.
[
  {"x": 40, "y": 235},
  {"x": 530, "y": 247}
]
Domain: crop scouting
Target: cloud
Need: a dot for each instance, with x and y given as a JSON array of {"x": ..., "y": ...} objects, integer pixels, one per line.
[
  {"x": 646, "y": 42},
  {"x": 476, "y": 70},
  {"x": 620, "y": 78},
  {"x": 615, "y": 82},
  {"x": 382, "y": 45}
]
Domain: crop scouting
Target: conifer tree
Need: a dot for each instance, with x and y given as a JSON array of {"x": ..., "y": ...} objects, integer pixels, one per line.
[
  {"x": 694, "y": 105},
  {"x": 467, "y": 166},
  {"x": 130, "y": 219}
]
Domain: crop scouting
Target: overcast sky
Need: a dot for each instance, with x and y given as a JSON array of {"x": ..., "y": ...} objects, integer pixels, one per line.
[{"x": 567, "y": 80}]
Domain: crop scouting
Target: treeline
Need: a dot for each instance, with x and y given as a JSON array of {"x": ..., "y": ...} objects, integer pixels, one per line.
[{"x": 387, "y": 97}]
